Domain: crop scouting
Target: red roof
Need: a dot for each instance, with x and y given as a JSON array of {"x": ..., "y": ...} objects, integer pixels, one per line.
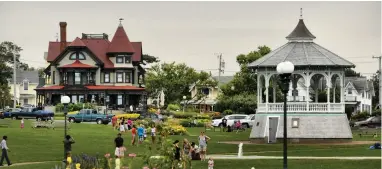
[
  {"x": 138, "y": 51},
  {"x": 105, "y": 87},
  {"x": 99, "y": 47},
  {"x": 50, "y": 88},
  {"x": 77, "y": 64},
  {"x": 77, "y": 42},
  {"x": 120, "y": 42}
]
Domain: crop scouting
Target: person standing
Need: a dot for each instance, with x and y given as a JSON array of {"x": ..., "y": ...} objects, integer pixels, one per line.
[
  {"x": 114, "y": 122},
  {"x": 153, "y": 130},
  {"x": 129, "y": 124},
  {"x": 4, "y": 151},
  {"x": 22, "y": 123},
  {"x": 224, "y": 124},
  {"x": 140, "y": 134},
  {"x": 133, "y": 134},
  {"x": 203, "y": 145},
  {"x": 68, "y": 144},
  {"x": 118, "y": 145}
]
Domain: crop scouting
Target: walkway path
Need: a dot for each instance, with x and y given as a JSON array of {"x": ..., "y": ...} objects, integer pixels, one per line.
[
  {"x": 235, "y": 157},
  {"x": 29, "y": 163}
]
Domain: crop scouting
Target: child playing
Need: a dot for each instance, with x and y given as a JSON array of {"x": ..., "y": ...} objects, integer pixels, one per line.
[
  {"x": 144, "y": 133},
  {"x": 153, "y": 130},
  {"x": 210, "y": 163},
  {"x": 133, "y": 134},
  {"x": 122, "y": 127},
  {"x": 22, "y": 123}
]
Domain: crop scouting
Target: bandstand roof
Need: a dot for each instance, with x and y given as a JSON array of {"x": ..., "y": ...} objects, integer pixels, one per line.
[{"x": 302, "y": 52}]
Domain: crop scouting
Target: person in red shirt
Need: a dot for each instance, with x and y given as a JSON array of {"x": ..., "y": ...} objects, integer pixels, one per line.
[
  {"x": 114, "y": 122},
  {"x": 133, "y": 134}
]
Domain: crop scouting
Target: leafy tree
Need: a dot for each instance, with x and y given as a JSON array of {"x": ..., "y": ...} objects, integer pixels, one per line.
[
  {"x": 147, "y": 59},
  {"x": 174, "y": 80},
  {"x": 245, "y": 81},
  {"x": 244, "y": 84},
  {"x": 5, "y": 96},
  {"x": 375, "y": 99},
  {"x": 8, "y": 50},
  {"x": 351, "y": 73},
  {"x": 238, "y": 103}
]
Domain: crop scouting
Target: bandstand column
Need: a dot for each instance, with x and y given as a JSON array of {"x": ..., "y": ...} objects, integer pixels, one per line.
[
  {"x": 307, "y": 83},
  {"x": 342, "y": 93},
  {"x": 328, "y": 95},
  {"x": 334, "y": 93},
  {"x": 267, "y": 93},
  {"x": 274, "y": 90}
]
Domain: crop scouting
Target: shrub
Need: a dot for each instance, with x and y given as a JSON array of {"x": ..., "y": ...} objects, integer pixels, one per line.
[
  {"x": 166, "y": 113},
  {"x": 127, "y": 116},
  {"x": 59, "y": 107},
  {"x": 184, "y": 115},
  {"x": 152, "y": 110},
  {"x": 360, "y": 116},
  {"x": 199, "y": 122},
  {"x": 227, "y": 112},
  {"x": 376, "y": 112},
  {"x": 173, "y": 107}
]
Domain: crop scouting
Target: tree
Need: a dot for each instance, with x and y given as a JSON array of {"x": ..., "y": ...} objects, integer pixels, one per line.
[
  {"x": 375, "y": 99},
  {"x": 351, "y": 73},
  {"x": 147, "y": 59},
  {"x": 5, "y": 96},
  {"x": 244, "y": 84},
  {"x": 174, "y": 80}
]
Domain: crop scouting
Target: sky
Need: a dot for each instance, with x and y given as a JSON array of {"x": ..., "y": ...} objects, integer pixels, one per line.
[{"x": 195, "y": 32}]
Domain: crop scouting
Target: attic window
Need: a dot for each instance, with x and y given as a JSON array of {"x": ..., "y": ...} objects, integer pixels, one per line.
[
  {"x": 350, "y": 91},
  {"x": 77, "y": 56}
]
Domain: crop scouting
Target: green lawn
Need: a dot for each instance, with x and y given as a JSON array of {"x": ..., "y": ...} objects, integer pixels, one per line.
[
  {"x": 32, "y": 145},
  {"x": 260, "y": 164}
]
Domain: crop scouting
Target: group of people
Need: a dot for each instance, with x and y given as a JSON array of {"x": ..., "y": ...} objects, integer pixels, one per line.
[
  {"x": 192, "y": 151},
  {"x": 123, "y": 126}
]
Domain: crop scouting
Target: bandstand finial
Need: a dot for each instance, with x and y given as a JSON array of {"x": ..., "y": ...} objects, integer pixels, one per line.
[{"x": 300, "y": 13}]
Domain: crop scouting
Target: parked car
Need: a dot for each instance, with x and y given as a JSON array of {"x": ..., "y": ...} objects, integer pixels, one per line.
[
  {"x": 374, "y": 121},
  {"x": 30, "y": 113},
  {"x": 90, "y": 115},
  {"x": 231, "y": 119},
  {"x": 8, "y": 113}
]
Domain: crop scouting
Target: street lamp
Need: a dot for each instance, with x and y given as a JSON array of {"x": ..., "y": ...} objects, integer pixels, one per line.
[
  {"x": 232, "y": 88},
  {"x": 184, "y": 102},
  {"x": 65, "y": 100},
  {"x": 285, "y": 70}
]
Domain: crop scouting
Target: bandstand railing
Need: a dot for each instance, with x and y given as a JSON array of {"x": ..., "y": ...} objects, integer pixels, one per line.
[{"x": 302, "y": 107}]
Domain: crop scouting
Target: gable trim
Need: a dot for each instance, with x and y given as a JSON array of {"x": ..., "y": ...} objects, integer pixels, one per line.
[{"x": 73, "y": 49}]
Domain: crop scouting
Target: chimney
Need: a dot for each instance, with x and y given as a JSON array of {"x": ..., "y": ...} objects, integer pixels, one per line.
[{"x": 62, "y": 36}]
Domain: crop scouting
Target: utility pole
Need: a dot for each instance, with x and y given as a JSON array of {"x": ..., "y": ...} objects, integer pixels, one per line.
[
  {"x": 380, "y": 81},
  {"x": 14, "y": 79},
  {"x": 221, "y": 67}
]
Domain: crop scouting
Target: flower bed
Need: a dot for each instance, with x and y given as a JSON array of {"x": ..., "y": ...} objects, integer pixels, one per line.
[
  {"x": 171, "y": 126},
  {"x": 128, "y": 116}
]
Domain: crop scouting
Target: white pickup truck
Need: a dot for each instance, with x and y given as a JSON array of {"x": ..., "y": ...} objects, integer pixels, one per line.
[{"x": 246, "y": 120}]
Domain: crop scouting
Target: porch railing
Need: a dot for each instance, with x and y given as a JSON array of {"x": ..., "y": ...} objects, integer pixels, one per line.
[
  {"x": 301, "y": 107},
  {"x": 350, "y": 98}
]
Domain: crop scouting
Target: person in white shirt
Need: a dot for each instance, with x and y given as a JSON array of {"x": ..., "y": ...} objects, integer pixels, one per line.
[
  {"x": 210, "y": 163},
  {"x": 4, "y": 151}
]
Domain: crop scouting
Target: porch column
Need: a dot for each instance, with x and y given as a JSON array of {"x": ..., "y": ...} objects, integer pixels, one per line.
[
  {"x": 342, "y": 93},
  {"x": 294, "y": 87}
]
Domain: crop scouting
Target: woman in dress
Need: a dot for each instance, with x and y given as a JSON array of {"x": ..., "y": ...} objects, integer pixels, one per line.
[{"x": 203, "y": 145}]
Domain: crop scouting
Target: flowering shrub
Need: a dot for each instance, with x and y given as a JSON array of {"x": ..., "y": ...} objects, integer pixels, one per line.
[
  {"x": 152, "y": 110},
  {"x": 73, "y": 112},
  {"x": 189, "y": 123},
  {"x": 127, "y": 116}
]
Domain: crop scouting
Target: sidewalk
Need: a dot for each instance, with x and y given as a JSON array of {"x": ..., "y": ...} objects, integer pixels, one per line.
[{"x": 235, "y": 157}]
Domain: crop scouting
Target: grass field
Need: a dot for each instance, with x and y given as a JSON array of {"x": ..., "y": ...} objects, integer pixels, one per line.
[{"x": 33, "y": 145}]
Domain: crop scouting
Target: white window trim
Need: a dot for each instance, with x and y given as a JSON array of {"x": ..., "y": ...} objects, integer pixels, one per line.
[{"x": 27, "y": 82}]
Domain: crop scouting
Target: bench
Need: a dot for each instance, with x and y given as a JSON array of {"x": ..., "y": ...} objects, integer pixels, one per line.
[
  {"x": 5, "y": 123},
  {"x": 60, "y": 124}
]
